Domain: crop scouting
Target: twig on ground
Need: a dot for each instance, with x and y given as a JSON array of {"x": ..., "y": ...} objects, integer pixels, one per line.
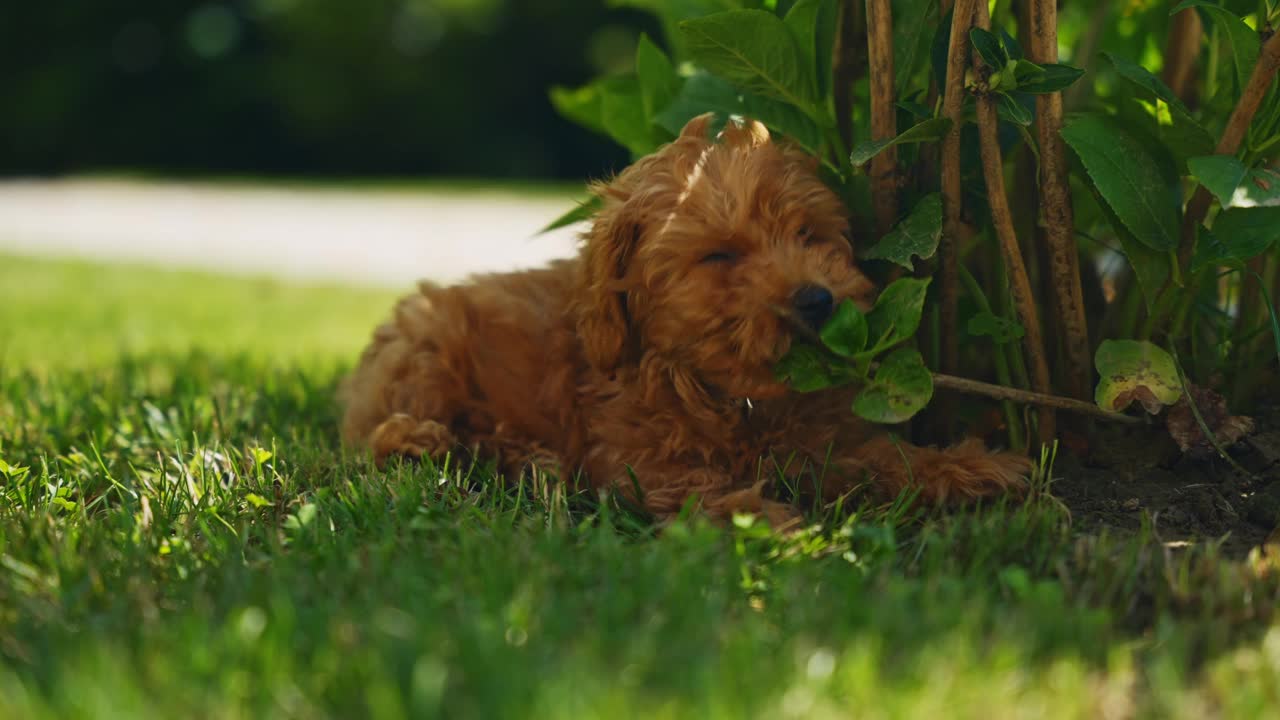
[
  {"x": 1055, "y": 203},
  {"x": 1002, "y": 220},
  {"x": 884, "y": 124}
]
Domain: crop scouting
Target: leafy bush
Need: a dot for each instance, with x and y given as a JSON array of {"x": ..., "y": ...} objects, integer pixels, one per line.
[{"x": 1149, "y": 212}]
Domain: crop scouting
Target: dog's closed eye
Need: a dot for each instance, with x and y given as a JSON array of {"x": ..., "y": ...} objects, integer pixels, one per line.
[
  {"x": 806, "y": 236},
  {"x": 720, "y": 256}
]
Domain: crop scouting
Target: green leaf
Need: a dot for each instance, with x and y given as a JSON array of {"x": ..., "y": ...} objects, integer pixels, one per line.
[
  {"x": 1177, "y": 130},
  {"x": 930, "y": 130},
  {"x": 1146, "y": 81},
  {"x": 302, "y": 518},
  {"x": 846, "y": 331},
  {"x": 1001, "y": 330},
  {"x": 1127, "y": 178},
  {"x": 1025, "y": 71},
  {"x": 257, "y": 500},
  {"x": 1261, "y": 188},
  {"x": 902, "y": 387},
  {"x": 914, "y": 23},
  {"x": 813, "y": 25},
  {"x": 611, "y": 106},
  {"x": 582, "y": 211},
  {"x": 808, "y": 369},
  {"x": 581, "y": 105},
  {"x": 1012, "y": 111},
  {"x": 706, "y": 93},
  {"x": 1132, "y": 370},
  {"x": 659, "y": 82},
  {"x": 916, "y": 235},
  {"x": 1152, "y": 268},
  {"x": 1055, "y": 78},
  {"x": 622, "y": 112},
  {"x": 896, "y": 314},
  {"x": 1241, "y": 43},
  {"x": 754, "y": 50},
  {"x": 1238, "y": 235},
  {"x": 1219, "y": 174},
  {"x": 989, "y": 48}
]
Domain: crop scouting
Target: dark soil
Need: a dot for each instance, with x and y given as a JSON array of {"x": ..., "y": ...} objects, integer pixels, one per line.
[{"x": 1132, "y": 471}]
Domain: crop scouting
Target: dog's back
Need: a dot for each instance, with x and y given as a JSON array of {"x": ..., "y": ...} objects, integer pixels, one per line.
[{"x": 494, "y": 361}]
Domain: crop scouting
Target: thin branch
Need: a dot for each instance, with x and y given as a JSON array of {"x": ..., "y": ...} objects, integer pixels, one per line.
[
  {"x": 1237, "y": 125},
  {"x": 1055, "y": 203},
  {"x": 884, "y": 123},
  {"x": 1026, "y": 397},
  {"x": 964, "y": 385},
  {"x": 1180, "y": 52},
  {"x": 952, "y": 192},
  {"x": 1002, "y": 219}
]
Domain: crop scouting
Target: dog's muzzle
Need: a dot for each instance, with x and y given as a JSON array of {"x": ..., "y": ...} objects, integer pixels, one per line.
[{"x": 813, "y": 304}]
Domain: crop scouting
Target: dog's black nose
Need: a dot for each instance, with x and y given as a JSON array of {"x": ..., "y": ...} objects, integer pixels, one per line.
[{"x": 813, "y": 304}]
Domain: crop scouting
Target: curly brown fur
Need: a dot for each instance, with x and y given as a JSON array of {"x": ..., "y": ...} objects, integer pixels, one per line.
[{"x": 641, "y": 354}]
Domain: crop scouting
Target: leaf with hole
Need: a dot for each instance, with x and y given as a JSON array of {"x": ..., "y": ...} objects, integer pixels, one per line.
[
  {"x": 846, "y": 331},
  {"x": 896, "y": 314},
  {"x": 1219, "y": 174},
  {"x": 754, "y": 50},
  {"x": 917, "y": 235},
  {"x": 1127, "y": 178},
  {"x": 1132, "y": 370},
  {"x": 931, "y": 130},
  {"x": 1261, "y": 188},
  {"x": 901, "y": 388}
]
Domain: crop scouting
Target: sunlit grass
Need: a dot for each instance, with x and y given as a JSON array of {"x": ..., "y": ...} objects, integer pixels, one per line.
[{"x": 180, "y": 536}]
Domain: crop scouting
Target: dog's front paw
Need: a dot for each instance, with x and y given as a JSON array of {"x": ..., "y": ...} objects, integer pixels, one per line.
[{"x": 402, "y": 435}]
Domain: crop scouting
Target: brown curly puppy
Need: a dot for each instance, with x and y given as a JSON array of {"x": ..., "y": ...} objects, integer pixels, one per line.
[{"x": 654, "y": 349}]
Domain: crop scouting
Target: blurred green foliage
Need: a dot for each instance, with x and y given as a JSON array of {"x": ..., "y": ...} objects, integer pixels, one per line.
[{"x": 413, "y": 87}]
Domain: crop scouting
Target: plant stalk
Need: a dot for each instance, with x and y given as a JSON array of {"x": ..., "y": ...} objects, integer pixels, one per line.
[
  {"x": 1055, "y": 203},
  {"x": 1181, "y": 51},
  {"x": 1232, "y": 135},
  {"x": 1002, "y": 220},
  {"x": 952, "y": 196},
  {"x": 884, "y": 123}
]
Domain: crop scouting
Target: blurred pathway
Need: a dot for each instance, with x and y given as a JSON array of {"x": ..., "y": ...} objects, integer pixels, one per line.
[{"x": 357, "y": 236}]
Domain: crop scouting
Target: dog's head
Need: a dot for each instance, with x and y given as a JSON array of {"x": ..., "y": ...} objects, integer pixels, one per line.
[{"x": 707, "y": 254}]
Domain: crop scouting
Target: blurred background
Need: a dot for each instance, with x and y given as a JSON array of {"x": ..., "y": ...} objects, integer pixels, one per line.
[{"x": 112, "y": 110}]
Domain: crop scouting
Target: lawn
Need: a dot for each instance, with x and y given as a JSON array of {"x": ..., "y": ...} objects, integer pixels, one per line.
[{"x": 181, "y": 536}]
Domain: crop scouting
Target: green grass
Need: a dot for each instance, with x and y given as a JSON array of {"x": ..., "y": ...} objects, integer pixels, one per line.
[{"x": 180, "y": 536}]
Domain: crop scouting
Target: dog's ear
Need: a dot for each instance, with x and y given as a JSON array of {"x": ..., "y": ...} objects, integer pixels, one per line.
[
  {"x": 746, "y": 133},
  {"x": 603, "y": 322}
]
